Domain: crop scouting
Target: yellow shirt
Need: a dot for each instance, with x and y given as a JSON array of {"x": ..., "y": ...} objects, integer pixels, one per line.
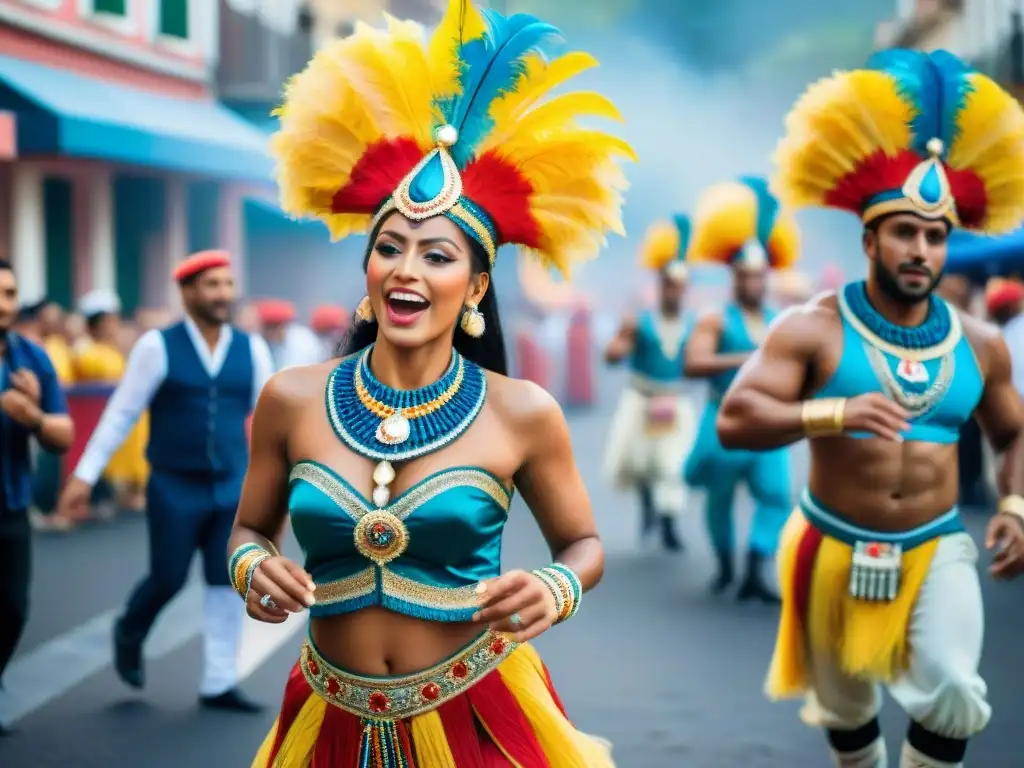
[{"x": 60, "y": 355}]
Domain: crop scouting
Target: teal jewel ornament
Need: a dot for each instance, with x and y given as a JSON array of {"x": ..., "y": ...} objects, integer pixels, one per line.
[
  {"x": 412, "y": 429},
  {"x": 927, "y": 187}
]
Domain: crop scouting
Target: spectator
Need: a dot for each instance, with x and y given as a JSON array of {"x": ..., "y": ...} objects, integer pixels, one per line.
[{"x": 31, "y": 404}]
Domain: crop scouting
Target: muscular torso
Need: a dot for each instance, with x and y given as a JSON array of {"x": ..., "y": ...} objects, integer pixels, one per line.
[
  {"x": 376, "y": 641},
  {"x": 876, "y": 483}
]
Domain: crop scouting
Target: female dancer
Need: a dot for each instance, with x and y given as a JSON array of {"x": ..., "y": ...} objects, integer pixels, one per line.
[{"x": 397, "y": 465}]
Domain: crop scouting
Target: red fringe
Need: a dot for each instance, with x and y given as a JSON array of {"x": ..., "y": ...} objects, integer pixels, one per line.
[
  {"x": 461, "y": 732},
  {"x": 499, "y": 711},
  {"x": 339, "y": 740},
  {"x": 806, "y": 555},
  {"x": 296, "y": 692}
]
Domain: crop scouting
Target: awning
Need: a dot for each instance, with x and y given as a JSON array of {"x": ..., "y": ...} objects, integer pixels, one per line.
[
  {"x": 263, "y": 215},
  {"x": 980, "y": 257},
  {"x": 64, "y": 113}
]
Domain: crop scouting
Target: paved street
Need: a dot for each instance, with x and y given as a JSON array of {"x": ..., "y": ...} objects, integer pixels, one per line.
[{"x": 651, "y": 662}]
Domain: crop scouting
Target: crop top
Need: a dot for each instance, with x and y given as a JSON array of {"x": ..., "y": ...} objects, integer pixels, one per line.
[
  {"x": 946, "y": 385},
  {"x": 453, "y": 521}
]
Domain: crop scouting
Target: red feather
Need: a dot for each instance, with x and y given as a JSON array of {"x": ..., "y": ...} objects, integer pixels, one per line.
[
  {"x": 377, "y": 174},
  {"x": 880, "y": 172},
  {"x": 503, "y": 192}
]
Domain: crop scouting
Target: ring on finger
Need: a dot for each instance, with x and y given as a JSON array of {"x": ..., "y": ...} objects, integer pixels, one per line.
[
  {"x": 268, "y": 602},
  {"x": 515, "y": 619}
]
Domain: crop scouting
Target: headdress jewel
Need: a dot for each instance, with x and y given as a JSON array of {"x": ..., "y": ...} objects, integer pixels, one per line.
[
  {"x": 460, "y": 127},
  {"x": 912, "y": 132},
  {"x": 740, "y": 223}
]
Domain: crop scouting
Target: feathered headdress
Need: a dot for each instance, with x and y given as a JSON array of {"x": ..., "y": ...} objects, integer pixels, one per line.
[
  {"x": 665, "y": 245},
  {"x": 914, "y": 133},
  {"x": 739, "y": 223},
  {"x": 459, "y": 126}
]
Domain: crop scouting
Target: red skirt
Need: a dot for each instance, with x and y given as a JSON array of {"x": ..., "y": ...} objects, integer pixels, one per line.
[{"x": 491, "y": 704}]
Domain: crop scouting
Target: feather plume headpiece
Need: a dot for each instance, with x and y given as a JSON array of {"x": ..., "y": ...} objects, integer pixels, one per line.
[
  {"x": 665, "y": 245},
  {"x": 912, "y": 132},
  {"x": 457, "y": 126},
  {"x": 739, "y": 223}
]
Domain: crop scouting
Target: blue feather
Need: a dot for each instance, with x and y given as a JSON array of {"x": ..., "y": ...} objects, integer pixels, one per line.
[
  {"x": 490, "y": 67},
  {"x": 684, "y": 227},
  {"x": 936, "y": 84},
  {"x": 767, "y": 207}
]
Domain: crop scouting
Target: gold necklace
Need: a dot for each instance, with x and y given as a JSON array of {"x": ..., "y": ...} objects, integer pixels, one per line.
[{"x": 394, "y": 426}]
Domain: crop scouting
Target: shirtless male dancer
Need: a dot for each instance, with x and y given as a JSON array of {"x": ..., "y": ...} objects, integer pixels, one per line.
[{"x": 878, "y": 575}]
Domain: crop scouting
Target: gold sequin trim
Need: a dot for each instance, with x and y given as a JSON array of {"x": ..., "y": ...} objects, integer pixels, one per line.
[
  {"x": 446, "y": 599},
  {"x": 342, "y": 496},
  {"x": 464, "y": 215},
  {"x": 349, "y": 588},
  {"x": 398, "y": 698}
]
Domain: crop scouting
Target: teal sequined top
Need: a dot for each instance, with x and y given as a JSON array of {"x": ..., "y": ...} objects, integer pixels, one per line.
[{"x": 454, "y": 520}]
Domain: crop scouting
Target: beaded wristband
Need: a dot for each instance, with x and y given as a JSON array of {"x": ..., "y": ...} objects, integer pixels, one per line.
[
  {"x": 243, "y": 563},
  {"x": 565, "y": 586}
]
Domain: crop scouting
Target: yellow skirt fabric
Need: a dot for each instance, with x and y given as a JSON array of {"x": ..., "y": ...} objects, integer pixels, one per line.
[
  {"x": 869, "y": 639},
  {"x": 510, "y": 717}
]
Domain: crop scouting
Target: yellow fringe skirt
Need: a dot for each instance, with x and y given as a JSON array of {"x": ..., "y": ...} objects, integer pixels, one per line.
[
  {"x": 868, "y": 639},
  {"x": 490, "y": 705}
]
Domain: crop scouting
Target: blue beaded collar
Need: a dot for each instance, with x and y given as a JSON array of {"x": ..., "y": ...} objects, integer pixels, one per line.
[
  {"x": 936, "y": 328},
  {"x": 357, "y": 426}
]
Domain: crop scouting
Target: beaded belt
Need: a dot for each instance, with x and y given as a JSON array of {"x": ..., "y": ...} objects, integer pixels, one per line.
[{"x": 398, "y": 698}]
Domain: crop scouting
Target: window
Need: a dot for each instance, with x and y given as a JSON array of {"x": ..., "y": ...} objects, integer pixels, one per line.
[
  {"x": 110, "y": 7},
  {"x": 174, "y": 18}
]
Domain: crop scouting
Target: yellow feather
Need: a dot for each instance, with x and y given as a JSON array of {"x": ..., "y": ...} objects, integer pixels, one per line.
[
  {"x": 990, "y": 142},
  {"x": 835, "y": 125},
  {"x": 784, "y": 243},
  {"x": 555, "y": 115},
  {"x": 724, "y": 220},
  {"x": 461, "y": 22},
  {"x": 660, "y": 245},
  {"x": 536, "y": 82}
]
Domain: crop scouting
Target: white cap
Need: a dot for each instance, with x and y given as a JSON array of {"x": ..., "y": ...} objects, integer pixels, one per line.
[{"x": 99, "y": 302}]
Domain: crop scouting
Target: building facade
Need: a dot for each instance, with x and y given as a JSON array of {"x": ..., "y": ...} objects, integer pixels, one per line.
[{"x": 116, "y": 159}]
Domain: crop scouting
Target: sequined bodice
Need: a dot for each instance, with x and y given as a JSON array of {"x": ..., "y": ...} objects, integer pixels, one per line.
[
  {"x": 740, "y": 333},
  {"x": 659, "y": 346},
  {"x": 940, "y": 387},
  {"x": 452, "y": 522}
]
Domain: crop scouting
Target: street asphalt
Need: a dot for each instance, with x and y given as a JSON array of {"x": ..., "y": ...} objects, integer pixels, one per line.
[{"x": 670, "y": 675}]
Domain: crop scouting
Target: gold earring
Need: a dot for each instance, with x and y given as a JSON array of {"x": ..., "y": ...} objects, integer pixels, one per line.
[
  {"x": 473, "y": 323},
  {"x": 364, "y": 311}
]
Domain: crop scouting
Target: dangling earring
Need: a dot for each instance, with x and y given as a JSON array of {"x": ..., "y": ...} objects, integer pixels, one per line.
[
  {"x": 364, "y": 311},
  {"x": 473, "y": 323}
]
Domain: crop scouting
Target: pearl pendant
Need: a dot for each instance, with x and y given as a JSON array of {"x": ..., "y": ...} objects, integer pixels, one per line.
[
  {"x": 381, "y": 496},
  {"x": 394, "y": 430}
]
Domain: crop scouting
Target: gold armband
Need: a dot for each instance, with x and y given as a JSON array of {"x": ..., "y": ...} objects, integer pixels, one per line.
[
  {"x": 823, "y": 417},
  {"x": 1012, "y": 505}
]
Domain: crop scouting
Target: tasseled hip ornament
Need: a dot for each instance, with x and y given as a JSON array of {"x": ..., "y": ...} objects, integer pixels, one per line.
[{"x": 384, "y": 746}]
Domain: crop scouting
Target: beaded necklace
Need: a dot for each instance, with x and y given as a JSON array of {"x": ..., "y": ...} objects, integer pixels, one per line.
[
  {"x": 387, "y": 424},
  {"x": 936, "y": 328}
]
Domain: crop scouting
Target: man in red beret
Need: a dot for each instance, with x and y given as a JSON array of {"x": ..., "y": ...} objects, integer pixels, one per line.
[
  {"x": 199, "y": 380},
  {"x": 330, "y": 324}
]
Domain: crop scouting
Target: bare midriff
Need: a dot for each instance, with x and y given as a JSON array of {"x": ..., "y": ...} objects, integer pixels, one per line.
[
  {"x": 376, "y": 641},
  {"x": 882, "y": 485}
]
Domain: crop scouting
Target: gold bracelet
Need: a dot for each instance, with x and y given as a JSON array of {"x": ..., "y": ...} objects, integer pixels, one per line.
[
  {"x": 1012, "y": 505},
  {"x": 823, "y": 417}
]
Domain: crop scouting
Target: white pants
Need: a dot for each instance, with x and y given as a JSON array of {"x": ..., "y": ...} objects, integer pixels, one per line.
[
  {"x": 942, "y": 690},
  {"x": 633, "y": 457}
]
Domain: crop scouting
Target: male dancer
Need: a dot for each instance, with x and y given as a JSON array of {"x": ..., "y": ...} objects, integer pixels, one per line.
[
  {"x": 738, "y": 223},
  {"x": 32, "y": 405},
  {"x": 199, "y": 380},
  {"x": 878, "y": 576},
  {"x": 653, "y": 424}
]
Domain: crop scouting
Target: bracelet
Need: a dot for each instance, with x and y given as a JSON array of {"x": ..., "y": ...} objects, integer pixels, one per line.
[
  {"x": 1012, "y": 505},
  {"x": 823, "y": 417},
  {"x": 565, "y": 586},
  {"x": 243, "y": 564}
]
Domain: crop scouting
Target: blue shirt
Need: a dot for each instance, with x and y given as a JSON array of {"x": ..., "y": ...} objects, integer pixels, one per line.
[{"x": 15, "y": 458}]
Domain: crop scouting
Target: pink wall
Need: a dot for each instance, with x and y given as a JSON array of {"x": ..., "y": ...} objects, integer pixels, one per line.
[
  {"x": 8, "y": 136},
  {"x": 136, "y": 35},
  {"x": 22, "y": 45}
]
